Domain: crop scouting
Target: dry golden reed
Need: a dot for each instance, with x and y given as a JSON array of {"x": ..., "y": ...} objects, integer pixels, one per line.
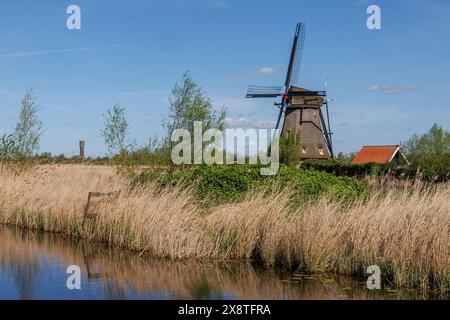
[{"x": 403, "y": 229}]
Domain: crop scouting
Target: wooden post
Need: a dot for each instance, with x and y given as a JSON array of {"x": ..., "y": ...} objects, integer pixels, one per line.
[{"x": 82, "y": 143}]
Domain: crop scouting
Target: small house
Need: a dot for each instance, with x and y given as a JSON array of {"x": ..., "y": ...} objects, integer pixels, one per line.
[{"x": 381, "y": 155}]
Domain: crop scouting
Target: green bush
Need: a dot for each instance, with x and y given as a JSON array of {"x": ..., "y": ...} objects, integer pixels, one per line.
[
  {"x": 348, "y": 169},
  {"x": 310, "y": 184},
  {"x": 223, "y": 184},
  {"x": 429, "y": 153},
  {"x": 426, "y": 167},
  {"x": 432, "y": 166}
]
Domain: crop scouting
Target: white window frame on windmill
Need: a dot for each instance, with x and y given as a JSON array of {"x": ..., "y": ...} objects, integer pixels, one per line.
[{"x": 233, "y": 147}]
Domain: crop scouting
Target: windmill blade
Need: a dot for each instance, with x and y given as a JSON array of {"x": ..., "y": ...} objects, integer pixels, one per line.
[
  {"x": 325, "y": 87},
  {"x": 330, "y": 134},
  {"x": 326, "y": 126},
  {"x": 279, "y": 116},
  {"x": 263, "y": 91},
  {"x": 295, "y": 61},
  {"x": 326, "y": 133}
]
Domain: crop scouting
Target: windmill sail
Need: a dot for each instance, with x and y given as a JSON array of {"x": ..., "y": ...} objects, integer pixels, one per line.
[
  {"x": 264, "y": 91},
  {"x": 295, "y": 61}
]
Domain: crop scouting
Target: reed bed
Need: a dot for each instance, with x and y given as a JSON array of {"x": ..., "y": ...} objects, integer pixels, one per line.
[{"x": 405, "y": 229}]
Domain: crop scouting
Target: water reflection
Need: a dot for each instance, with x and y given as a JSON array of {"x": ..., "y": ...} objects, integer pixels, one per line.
[{"x": 33, "y": 266}]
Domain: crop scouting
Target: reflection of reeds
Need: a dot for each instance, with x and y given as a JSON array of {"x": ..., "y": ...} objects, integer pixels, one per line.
[
  {"x": 118, "y": 270},
  {"x": 405, "y": 230}
]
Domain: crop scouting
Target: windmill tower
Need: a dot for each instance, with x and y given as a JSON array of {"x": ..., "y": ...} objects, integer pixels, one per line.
[{"x": 302, "y": 108}]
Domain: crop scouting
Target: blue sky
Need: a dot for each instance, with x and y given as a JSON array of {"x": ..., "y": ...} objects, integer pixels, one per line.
[{"x": 386, "y": 84}]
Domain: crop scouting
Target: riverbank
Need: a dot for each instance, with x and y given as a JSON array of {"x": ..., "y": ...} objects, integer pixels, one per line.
[{"x": 406, "y": 231}]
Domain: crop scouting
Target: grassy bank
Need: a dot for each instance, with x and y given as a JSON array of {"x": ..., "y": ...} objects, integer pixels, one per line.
[{"x": 404, "y": 229}]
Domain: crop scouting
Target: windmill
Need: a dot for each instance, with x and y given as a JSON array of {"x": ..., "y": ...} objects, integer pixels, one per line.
[{"x": 302, "y": 108}]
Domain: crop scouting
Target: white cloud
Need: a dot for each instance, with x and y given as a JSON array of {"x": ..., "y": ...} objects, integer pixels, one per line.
[
  {"x": 46, "y": 52},
  {"x": 391, "y": 90},
  {"x": 243, "y": 122},
  {"x": 266, "y": 124},
  {"x": 235, "y": 123},
  {"x": 266, "y": 71}
]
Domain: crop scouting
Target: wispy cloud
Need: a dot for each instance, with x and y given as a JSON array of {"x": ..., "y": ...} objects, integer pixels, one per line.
[
  {"x": 261, "y": 72},
  {"x": 235, "y": 123},
  {"x": 47, "y": 52},
  {"x": 244, "y": 122},
  {"x": 391, "y": 90},
  {"x": 266, "y": 124},
  {"x": 264, "y": 71}
]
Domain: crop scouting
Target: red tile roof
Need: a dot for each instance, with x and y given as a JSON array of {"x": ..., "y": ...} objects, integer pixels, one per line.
[{"x": 376, "y": 154}]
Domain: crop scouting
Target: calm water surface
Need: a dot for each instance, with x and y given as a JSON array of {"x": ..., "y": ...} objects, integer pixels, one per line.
[{"x": 33, "y": 266}]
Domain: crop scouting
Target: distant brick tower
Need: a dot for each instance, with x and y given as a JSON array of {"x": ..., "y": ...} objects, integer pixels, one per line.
[{"x": 82, "y": 144}]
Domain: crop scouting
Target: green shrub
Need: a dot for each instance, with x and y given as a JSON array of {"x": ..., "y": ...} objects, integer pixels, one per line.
[
  {"x": 223, "y": 184},
  {"x": 432, "y": 166},
  {"x": 429, "y": 153},
  {"x": 347, "y": 169},
  {"x": 429, "y": 167},
  {"x": 218, "y": 183},
  {"x": 310, "y": 184}
]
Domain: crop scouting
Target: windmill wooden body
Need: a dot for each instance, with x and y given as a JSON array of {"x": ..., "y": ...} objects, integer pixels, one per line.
[{"x": 302, "y": 108}]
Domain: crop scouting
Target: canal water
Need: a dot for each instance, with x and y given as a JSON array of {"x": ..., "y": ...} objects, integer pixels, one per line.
[{"x": 33, "y": 265}]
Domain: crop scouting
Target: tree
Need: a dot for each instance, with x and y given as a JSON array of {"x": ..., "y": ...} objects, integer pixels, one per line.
[
  {"x": 346, "y": 157},
  {"x": 430, "y": 152},
  {"x": 28, "y": 129},
  {"x": 290, "y": 147},
  {"x": 115, "y": 130},
  {"x": 7, "y": 147},
  {"x": 436, "y": 142},
  {"x": 189, "y": 104}
]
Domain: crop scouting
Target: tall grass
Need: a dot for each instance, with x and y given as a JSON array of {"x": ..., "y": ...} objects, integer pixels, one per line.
[{"x": 405, "y": 229}]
